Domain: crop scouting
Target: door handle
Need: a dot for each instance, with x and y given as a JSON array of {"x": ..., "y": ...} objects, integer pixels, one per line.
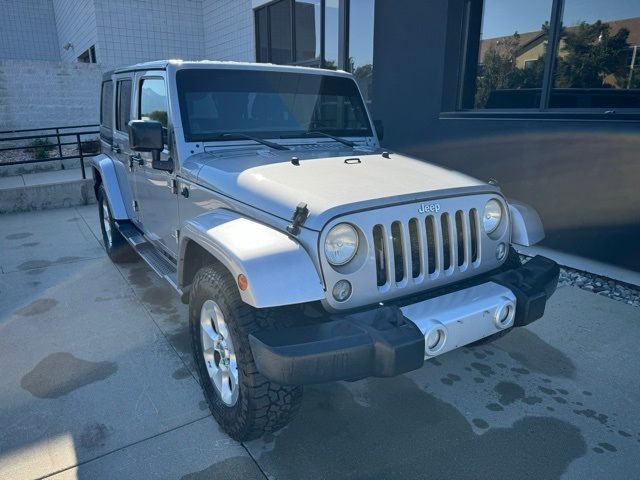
[{"x": 115, "y": 148}]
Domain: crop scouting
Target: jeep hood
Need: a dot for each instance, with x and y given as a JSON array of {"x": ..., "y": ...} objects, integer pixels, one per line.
[{"x": 330, "y": 185}]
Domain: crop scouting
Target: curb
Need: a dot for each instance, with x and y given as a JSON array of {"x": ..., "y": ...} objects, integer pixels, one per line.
[{"x": 44, "y": 197}]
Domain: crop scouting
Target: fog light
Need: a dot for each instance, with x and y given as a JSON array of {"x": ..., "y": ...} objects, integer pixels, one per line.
[
  {"x": 342, "y": 290},
  {"x": 505, "y": 314},
  {"x": 434, "y": 340},
  {"x": 501, "y": 251}
]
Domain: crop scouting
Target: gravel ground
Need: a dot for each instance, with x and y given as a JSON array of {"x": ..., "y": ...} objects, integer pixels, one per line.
[
  {"x": 27, "y": 154},
  {"x": 629, "y": 294}
]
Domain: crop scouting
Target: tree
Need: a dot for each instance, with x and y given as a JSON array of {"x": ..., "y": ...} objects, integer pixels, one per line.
[
  {"x": 590, "y": 54},
  {"x": 499, "y": 70}
]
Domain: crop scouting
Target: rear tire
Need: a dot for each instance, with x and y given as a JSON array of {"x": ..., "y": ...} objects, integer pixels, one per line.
[
  {"x": 117, "y": 248},
  {"x": 257, "y": 405}
]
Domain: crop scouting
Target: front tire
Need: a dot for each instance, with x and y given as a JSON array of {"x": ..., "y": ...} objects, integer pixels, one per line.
[
  {"x": 117, "y": 248},
  {"x": 243, "y": 402}
]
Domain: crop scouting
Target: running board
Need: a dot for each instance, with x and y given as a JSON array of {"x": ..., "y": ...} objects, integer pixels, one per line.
[{"x": 161, "y": 265}]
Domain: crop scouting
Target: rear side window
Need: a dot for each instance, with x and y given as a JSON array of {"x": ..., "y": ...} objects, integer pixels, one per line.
[
  {"x": 106, "y": 104},
  {"x": 123, "y": 110}
]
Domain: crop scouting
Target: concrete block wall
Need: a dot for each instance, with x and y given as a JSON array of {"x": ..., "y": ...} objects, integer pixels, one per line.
[
  {"x": 229, "y": 30},
  {"x": 133, "y": 31},
  {"x": 28, "y": 30},
  {"x": 38, "y": 94},
  {"x": 76, "y": 24}
]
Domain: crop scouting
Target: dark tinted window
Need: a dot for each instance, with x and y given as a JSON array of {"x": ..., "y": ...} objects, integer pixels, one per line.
[
  {"x": 268, "y": 104},
  {"x": 153, "y": 101},
  {"x": 106, "y": 104},
  {"x": 281, "y": 47},
  {"x": 123, "y": 113},
  {"x": 307, "y": 30},
  {"x": 262, "y": 35}
]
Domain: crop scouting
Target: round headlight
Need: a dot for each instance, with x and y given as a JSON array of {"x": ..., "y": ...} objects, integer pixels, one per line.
[
  {"x": 492, "y": 216},
  {"x": 341, "y": 244}
]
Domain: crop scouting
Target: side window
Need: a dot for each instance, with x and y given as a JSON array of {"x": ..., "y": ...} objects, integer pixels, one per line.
[
  {"x": 153, "y": 101},
  {"x": 106, "y": 104},
  {"x": 123, "y": 108}
]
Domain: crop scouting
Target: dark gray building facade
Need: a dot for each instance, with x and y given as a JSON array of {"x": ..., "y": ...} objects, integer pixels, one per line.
[{"x": 569, "y": 147}]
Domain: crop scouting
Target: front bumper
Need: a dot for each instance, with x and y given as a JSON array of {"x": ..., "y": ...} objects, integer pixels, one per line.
[{"x": 390, "y": 340}]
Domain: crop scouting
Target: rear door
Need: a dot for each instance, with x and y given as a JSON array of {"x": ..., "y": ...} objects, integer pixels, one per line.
[
  {"x": 120, "y": 144},
  {"x": 154, "y": 188}
]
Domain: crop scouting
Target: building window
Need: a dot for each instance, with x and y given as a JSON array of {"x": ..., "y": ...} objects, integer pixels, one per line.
[
  {"x": 313, "y": 36},
  {"x": 552, "y": 54},
  {"x": 88, "y": 56},
  {"x": 360, "y": 44},
  {"x": 123, "y": 105}
]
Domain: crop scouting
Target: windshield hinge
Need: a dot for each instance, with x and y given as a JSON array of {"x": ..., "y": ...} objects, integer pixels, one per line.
[{"x": 299, "y": 217}]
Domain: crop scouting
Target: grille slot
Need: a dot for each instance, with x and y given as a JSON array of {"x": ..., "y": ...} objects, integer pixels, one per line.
[
  {"x": 420, "y": 249},
  {"x": 381, "y": 260}
]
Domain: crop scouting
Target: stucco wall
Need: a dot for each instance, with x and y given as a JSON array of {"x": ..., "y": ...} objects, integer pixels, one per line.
[
  {"x": 28, "y": 30},
  {"x": 229, "y": 30},
  {"x": 133, "y": 31},
  {"x": 36, "y": 94}
]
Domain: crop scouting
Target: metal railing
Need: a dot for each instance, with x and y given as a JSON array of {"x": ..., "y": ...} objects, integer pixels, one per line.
[{"x": 61, "y": 135}]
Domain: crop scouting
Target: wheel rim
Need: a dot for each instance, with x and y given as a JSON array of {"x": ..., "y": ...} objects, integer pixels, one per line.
[
  {"x": 218, "y": 352},
  {"x": 106, "y": 223}
]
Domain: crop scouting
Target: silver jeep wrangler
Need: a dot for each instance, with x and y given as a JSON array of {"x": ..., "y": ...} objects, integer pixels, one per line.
[{"x": 306, "y": 253}]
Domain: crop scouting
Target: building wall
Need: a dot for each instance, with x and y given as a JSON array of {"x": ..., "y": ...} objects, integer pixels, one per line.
[
  {"x": 580, "y": 174},
  {"x": 38, "y": 94},
  {"x": 28, "y": 30},
  {"x": 133, "y": 31},
  {"x": 76, "y": 24},
  {"x": 229, "y": 30}
]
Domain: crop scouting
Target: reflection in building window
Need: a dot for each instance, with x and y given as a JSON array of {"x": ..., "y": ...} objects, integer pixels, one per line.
[
  {"x": 360, "y": 59},
  {"x": 597, "y": 64},
  {"x": 595, "y": 55},
  {"x": 308, "y": 27},
  {"x": 511, "y": 53}
]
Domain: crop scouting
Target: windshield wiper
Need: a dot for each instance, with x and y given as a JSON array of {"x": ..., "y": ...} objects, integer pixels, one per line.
[
  {"x": 313, "y": 133},
  {"x": 238, "y": 136}
]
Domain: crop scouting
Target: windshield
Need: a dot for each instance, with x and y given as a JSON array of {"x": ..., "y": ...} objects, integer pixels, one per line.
[{"x": 268, "y": 104}]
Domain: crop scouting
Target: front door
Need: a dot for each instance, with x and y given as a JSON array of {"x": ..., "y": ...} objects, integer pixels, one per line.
[{"x": 157, "y": 200}]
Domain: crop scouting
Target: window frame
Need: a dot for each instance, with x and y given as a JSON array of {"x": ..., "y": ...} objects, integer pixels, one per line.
[{"x": 468, "y": 66}]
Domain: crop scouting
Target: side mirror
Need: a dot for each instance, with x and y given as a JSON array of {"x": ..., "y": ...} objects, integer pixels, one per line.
[
  {"x": 145, "y": 136},
  {"x": 379, "y": 128},
  {"x": 148, "y": 136}
]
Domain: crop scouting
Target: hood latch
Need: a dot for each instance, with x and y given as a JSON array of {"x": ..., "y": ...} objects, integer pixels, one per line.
[{"x": 299, "y": 217}]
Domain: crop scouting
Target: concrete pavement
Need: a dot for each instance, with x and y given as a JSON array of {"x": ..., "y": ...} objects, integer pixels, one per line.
[{"x": 97, "y": 382}]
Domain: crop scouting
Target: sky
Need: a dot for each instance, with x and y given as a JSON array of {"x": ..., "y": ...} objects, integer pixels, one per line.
[{"x": 504, "y": 17}]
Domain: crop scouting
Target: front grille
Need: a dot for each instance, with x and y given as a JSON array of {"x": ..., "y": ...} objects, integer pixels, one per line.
[{"x": 419, "y": 249}]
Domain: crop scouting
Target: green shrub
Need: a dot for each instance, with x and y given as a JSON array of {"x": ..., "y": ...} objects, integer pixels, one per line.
[{"x": 41, "y": 148}]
